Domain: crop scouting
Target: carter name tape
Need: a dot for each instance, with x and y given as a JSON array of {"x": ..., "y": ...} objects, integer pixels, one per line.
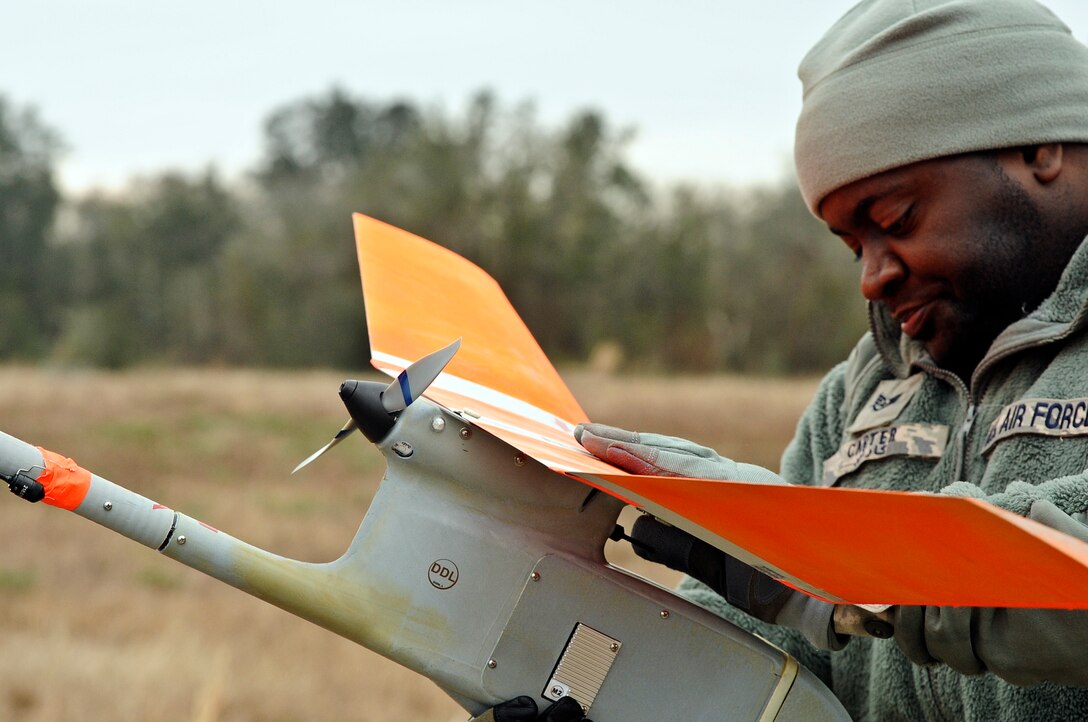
[{"x": 919, "y": 440}]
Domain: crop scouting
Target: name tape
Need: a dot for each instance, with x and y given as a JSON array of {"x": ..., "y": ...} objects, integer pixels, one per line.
[
  {"x": 918, "y": 440},
  {"x": 1045, "y": 417}
]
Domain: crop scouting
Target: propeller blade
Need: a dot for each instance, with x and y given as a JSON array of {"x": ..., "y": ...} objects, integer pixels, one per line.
[
  {"x": 340, "y": 436},
  {"x": 414, "y": 380}
]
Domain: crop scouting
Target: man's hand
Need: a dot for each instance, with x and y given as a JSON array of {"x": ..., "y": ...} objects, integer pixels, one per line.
[
  {"x": 524, "y": 709},
  {"x": 660, "y": 455}
]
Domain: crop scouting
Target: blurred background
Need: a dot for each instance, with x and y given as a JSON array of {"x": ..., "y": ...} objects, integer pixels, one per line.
[
  {"x": 179, "y": 295},
  {"x": 176, "y": 181}
]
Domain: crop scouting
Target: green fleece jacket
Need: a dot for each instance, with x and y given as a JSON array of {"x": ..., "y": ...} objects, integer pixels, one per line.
[{"x": 1016, "y": 435}]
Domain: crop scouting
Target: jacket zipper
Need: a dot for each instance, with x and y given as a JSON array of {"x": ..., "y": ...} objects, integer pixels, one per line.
[
  {"x": 965, "y": 432},
  {"x": 960, "y": 440}
]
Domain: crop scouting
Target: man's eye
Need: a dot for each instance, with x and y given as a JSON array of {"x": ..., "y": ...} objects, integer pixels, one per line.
[{"x": 899, "y": 227}]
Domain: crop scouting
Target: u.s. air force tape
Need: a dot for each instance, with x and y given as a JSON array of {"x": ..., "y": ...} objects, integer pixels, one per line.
[
  {"x": 1045, "y": 417},
  {"x": 918, "y": 440}
]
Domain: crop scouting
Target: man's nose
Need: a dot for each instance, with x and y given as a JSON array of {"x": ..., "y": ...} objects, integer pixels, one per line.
[{"x": 881, "y": 271}]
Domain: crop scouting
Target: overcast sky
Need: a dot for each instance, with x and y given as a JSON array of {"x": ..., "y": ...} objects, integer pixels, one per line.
[{"x": 136, "y": 87}]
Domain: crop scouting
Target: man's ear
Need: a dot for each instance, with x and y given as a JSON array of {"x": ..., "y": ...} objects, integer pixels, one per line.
[{"x": 1044, "y": 161}]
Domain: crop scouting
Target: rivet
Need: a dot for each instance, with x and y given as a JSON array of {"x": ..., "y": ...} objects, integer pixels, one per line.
[
  {"x": 465, "y": 432},
  {"x": 491, "y": 664},
  {"x": 182, "y": 540},
  {"x": 614, "y": 647},
  {"x": 519, "y": 460},
  {"x": 107, "y": 505},
  {"x": 535, "y": 576},
  {"x": 438, "y": 424},
  {"x": 664, "y": 613}
]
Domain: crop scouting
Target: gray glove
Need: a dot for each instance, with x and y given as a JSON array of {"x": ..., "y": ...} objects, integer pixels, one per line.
[
  {"x": 665, "y": 455},
  {"x": 524, "y": 709}
]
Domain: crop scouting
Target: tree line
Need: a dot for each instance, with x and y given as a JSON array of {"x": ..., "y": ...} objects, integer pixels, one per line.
[{"x": 602, "y": 264}]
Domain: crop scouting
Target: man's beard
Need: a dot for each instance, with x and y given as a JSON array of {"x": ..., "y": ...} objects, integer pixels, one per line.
[{"x": 1007, "y": 282}]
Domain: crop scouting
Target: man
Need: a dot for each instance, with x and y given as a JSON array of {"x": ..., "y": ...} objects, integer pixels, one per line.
[{"x": 946, "y": 143}]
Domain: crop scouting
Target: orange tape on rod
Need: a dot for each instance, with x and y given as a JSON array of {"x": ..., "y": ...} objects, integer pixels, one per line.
[{"x": 66, "y": 482}]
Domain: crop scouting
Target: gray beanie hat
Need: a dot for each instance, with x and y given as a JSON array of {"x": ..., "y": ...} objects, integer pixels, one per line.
[{"x": 899, "y": 81}]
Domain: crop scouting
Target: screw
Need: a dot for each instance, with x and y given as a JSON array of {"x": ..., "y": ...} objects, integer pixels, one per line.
[
  {"x": 614, "y": 647},
  {"x": 182, "y": 540},
  {"x": 491, "y": 664},
  {"x": 107, "y": 505},
  {"x": 438, "y": 424},
  {"x": 664, "y": 613},
  {"x": 519, "y": 460},
  {"x": 465, "y": 432},
  {"x": 535, "y": 576}
]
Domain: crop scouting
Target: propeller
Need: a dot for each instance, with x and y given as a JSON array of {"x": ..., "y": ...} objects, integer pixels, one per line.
[
  {"x": 414, "y": 380},
  {"x": 408, "y": 386}
]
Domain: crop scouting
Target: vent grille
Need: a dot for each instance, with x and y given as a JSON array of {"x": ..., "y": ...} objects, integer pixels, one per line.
[{"x": 583, "y": 667}]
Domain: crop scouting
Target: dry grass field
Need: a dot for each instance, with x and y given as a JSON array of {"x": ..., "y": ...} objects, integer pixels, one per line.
[{"x": 95, "y": 627}]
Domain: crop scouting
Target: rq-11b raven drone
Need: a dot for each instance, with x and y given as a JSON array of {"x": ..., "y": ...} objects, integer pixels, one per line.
[{"x": 480, "y": 562}]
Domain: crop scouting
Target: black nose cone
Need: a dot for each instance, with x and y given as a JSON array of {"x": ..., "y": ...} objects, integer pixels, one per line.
[{"x": 363, "y": 400}]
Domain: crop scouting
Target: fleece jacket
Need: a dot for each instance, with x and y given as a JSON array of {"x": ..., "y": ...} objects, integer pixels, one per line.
[{"x": 1015, "y": 435}]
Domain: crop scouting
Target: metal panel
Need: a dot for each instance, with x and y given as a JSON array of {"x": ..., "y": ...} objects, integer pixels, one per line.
[{"x": 678, "y": 661}]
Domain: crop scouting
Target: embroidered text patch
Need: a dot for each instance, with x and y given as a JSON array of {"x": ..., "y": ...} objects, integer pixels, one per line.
[
  {"x": 1046, "y": 417},
  {"x": 919, "y": 440}
]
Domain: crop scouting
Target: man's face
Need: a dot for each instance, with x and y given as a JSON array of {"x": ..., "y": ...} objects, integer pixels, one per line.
[{"x": 948, "y": 247}]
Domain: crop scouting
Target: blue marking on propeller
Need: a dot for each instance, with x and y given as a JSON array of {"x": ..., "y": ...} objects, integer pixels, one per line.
[{"x": 405, "y": 391}]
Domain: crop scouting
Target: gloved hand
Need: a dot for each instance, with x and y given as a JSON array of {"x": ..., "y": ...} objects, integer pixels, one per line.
[
  {"x": 744, "y": 587},
  {"x": 524, "y": 709},
  {"x": 660, "y": 455}
]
